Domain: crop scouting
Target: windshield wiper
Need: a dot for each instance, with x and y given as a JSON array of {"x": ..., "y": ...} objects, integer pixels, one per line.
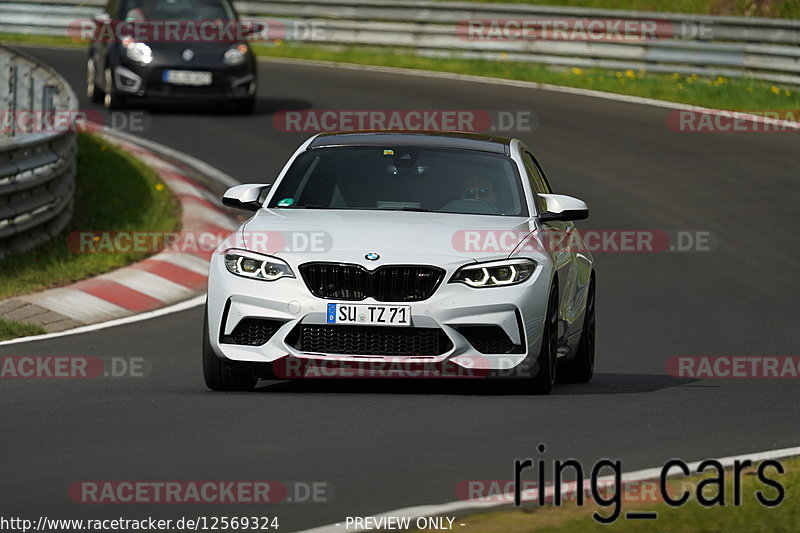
[
  {"x": 407, "y": 208},
  {"x": 304, "y": 206}
]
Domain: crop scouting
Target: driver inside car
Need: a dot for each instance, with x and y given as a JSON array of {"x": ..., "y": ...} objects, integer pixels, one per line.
[{"x": 479, "y": 188}]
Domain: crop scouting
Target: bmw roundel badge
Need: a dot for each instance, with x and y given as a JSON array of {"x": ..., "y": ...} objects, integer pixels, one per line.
[{"x": 372, "y": 256}]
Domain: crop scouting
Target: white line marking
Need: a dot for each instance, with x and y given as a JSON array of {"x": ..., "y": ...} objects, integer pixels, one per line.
[
  {"x": 182, "y": 306},
  {"x": 463, "y": 506}
]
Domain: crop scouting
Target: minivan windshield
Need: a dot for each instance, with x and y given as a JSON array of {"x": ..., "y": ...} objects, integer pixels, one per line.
[{"x": 161, "y": 10}]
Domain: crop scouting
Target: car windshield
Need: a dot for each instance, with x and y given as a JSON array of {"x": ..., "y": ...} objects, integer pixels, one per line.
[
  {"x": 402, "y": 178},
  {"x": 178, "y": 10}
]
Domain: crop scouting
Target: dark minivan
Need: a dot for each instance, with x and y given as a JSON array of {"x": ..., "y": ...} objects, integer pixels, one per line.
[{"x": 173, "y": 50}]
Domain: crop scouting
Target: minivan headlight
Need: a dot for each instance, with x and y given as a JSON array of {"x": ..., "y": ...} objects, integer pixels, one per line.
[
  {"x": 235, "y": 55},
  {"x": 139, "y": 52},
  {"x": 495, "y": 273},
  {"x": 256, "y": 266}
]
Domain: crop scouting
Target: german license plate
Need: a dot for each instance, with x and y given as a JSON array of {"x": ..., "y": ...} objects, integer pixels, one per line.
[
  {"x": 187, "y": 77},
  {"x": 369, "y": 315}
]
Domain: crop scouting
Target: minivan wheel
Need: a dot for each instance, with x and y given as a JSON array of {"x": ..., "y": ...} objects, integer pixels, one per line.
[
  {"x": 112, "y": 99},
  {"x": 94, "y": 92}
]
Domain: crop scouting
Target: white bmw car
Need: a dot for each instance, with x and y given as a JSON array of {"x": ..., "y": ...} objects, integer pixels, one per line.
[{"x": 402, "y": 254}]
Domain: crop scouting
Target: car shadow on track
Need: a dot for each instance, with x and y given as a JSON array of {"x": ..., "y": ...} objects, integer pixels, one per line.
[{"x": 600, "y": 384}]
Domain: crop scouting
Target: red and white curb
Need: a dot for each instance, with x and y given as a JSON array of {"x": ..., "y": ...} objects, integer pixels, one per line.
[{"x": 158, "y": 281}]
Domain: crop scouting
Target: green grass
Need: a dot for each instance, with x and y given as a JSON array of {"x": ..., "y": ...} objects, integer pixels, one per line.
[
  {"x": 753, "y": 8},
  {"x": 11, "y": 330},
  {"x": 114, "y": 191},
  {"x": 743, "y": 94},
  {"x": 43, "y": 40},
  {"x": 750, "y": 517},
  {"x": 789, "y": 9}
]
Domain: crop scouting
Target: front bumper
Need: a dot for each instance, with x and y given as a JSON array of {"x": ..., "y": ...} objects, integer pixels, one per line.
[
  {"x": 147, "y": 83},
  {"x": 454, "y": 310}
]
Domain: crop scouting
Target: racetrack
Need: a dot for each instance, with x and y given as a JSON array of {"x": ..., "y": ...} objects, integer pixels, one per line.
[{"x": 384, "y": 446}]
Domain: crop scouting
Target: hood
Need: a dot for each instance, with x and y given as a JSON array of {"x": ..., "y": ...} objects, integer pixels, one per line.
[
  {"x": 302, "y": 235},
  {"x": 205, "y": 55}
]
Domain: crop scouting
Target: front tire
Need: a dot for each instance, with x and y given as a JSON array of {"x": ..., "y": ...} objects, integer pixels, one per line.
[
  {"x": 220, "y": 374},
  {"x": 580, "y": 368},
  {"x": 94, "y": 92},
  {"x": 112, "y": 99},
  {"x": 545, "y": 379}
]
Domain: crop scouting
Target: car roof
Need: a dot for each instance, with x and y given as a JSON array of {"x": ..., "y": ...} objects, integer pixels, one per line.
[{"x": 430, "y": 139}]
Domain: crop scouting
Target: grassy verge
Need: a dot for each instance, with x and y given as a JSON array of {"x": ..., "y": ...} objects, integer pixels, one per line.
[
  {"x": 11, "y": 330},
  {"x": 752, "y": 8},
  {"x": 43, "y": 40},
  {"x": 789, "y": 9},
  {"x": 724, "y": 93},
  {"x": 114, "y": 191},
  {"x": 692, "y": 517}
]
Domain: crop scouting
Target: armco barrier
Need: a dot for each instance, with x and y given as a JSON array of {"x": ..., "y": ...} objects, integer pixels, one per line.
[
  {"x": 767, "y": 49},
  {"x": 37, "y": 170}
]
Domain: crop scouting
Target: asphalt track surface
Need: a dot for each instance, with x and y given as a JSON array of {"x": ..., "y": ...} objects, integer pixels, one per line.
[{"x": 385, "y": 445}]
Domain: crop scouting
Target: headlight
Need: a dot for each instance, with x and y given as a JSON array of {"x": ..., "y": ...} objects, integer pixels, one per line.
[
  {"x": 256, "y": 266},
  {"x": 235, "y": 55},
  {"x": 139, "y": 52},
  {"x": 495, "y": 273}
]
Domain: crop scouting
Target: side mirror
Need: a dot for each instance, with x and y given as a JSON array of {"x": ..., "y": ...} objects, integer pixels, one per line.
[
  {"x": 250, "y": 196},
  {"x": 251, "y": 28},
  {"x": 101, "y": 18},
  {"x": 564, "y": 208}
]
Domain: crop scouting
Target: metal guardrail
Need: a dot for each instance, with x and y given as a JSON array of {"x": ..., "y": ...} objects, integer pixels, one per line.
[
  {"x": 767, "y": 49},
  {"x": 37, "y": 169}
]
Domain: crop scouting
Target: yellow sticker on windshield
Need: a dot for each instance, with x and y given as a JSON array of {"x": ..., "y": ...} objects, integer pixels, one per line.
[{"x": 388, "y": 152}]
